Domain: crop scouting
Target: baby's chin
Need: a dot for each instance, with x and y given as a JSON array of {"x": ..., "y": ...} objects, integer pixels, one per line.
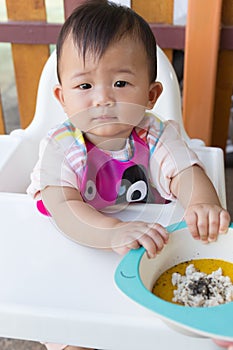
[{"x": 108, "y": 132}]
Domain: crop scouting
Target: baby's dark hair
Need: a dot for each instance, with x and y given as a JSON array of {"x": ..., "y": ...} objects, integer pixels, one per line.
[{"x": 96, "y": 24}]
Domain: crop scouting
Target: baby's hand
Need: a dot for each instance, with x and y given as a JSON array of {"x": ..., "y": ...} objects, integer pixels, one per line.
[
  {"x": 225, "y": 344},
  {"x": 134, "y": 234},
  {"x": 206, "y": 221}
]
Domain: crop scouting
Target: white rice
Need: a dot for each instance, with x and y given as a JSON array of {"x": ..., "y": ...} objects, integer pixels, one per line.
[{"x": 197, "y": 288}]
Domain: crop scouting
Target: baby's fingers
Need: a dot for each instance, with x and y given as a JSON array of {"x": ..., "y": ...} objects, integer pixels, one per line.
[
  {"x": 218, "y": 223},
  {"x": 154, "y": 241},
  {"x": 224, "y": 221},
  {"x": 191, "y": 221},
  {"x": 224, "y": 344},
  {"x": 206, "y": 222},
  {"x": 214, "y": 221},
  {"x": 132, "y": 244},
  {"x": 148, "y": 243},
  {"x": 158, "y": 229}
]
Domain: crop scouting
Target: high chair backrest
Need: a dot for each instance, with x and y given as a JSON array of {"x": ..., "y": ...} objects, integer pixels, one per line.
[{"x": 21, "y": 147}]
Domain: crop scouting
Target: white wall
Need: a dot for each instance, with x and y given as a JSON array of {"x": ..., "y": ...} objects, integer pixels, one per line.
[{"x": 122, "y": 2}]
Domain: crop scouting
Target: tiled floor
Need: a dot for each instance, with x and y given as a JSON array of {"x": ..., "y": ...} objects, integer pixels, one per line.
[{"x": 9, "y": 344}]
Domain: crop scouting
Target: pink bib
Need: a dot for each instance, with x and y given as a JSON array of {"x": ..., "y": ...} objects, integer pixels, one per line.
[{"x": 108, "y": 181}]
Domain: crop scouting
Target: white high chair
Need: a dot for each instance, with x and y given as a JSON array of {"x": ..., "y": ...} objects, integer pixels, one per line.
[
  {"x": 55, "y": 290},
  {"x": 19, "y": 150}
]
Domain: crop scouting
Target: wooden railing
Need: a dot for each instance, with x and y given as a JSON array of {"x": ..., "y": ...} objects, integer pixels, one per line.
[
  {"x": 207, "y": 87},
  {"x": 208, "y": 71}
]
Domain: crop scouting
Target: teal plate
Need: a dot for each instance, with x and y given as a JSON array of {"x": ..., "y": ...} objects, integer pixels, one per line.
[{"x": 136, "y": 274}]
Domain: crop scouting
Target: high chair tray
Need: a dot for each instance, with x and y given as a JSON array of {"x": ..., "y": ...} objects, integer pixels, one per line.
[{"x": 54, "y": 290}]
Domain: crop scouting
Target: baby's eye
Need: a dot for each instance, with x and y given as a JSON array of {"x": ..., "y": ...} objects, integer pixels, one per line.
[
  {"x": 120, "y": 83},
  {"x": 85, "y": 86}
]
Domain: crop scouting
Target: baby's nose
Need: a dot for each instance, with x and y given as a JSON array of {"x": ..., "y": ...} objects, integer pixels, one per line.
[{"x": 104, "y": 97}]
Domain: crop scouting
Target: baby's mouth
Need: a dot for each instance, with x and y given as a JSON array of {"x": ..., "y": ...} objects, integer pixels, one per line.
[
  {"x": 103, "y": 113},
  {"x": 105, "y": 118}
]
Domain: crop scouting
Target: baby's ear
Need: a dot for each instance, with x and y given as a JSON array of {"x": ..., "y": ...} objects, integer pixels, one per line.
[
  {"x": 155, "y": 91},
  {"x": 58, "y": 93}
]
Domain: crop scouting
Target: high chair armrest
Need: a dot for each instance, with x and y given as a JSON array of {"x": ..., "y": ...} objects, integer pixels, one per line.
[
  {"x": 213, "y": 161},
  {"x": 18, "y": 154}
]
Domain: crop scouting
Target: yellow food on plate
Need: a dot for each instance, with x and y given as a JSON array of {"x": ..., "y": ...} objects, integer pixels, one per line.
[{"x": 202, "y": 282}]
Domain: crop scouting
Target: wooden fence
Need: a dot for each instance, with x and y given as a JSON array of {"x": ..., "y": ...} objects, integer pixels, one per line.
[{"x": 208, "y": 46}]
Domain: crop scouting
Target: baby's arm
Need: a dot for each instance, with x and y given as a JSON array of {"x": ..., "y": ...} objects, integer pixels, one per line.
[
  {"x": 85, "y": 225},
  {"x": 204, "y": 215}
]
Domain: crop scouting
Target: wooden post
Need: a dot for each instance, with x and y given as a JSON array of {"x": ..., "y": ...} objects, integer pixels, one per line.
[
  {"x": 28, "y": 59},
  {"x": 224, "y": 86},
  {"x": 70, "y": 5},
  {"x": 201, "y": 53},
  {"x": 2, "y": 124},
  {"x": 155, "y": 11}
]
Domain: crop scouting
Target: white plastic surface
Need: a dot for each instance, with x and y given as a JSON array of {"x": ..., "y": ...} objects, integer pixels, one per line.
[{"x": 55, "y": 290}]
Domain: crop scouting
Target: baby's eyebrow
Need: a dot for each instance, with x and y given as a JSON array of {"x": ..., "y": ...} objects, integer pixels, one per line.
[
  {"x": 79, "y": 75},
  {"x": 127, "y": 71},
  {"x": 116, "y": 71}
]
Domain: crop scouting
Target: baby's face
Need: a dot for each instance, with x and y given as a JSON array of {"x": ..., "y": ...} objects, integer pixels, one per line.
[{"x": 106, "y": 97}]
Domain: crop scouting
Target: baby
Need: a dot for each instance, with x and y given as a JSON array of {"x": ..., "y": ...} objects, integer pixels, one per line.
[{"x": 110, "y": 152}]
